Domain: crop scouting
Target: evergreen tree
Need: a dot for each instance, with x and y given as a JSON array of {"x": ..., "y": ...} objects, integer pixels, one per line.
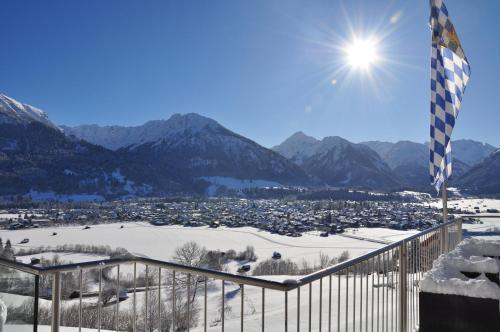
[{"x": 8, "y": 252}]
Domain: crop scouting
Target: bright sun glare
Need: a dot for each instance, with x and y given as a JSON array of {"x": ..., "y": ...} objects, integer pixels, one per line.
[{"x": 361, "y": 53}]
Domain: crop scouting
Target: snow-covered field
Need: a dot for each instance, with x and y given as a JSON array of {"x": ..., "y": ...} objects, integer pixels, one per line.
[
  {"x": 63, "y": 256},
  {"x": 380, "y": 234},
  {"x": 485, "y": 225},
  {"x": 469, "y": 204},
  {"x": 160, "y": 242}
]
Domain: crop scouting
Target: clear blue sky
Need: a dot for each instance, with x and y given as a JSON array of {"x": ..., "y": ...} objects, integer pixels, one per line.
[{"x": 262, "y": 68}]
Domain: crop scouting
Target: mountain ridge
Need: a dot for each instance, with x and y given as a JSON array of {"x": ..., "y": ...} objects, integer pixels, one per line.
[
  {"x": 184, "y": 154},
  {"x": 115, "y": 137},
  {"x": 336, "y": 161},
  {"x": 483, "y": 178},
  {"x": 15, "y": 112},
  {"x": 192, "y": 153}
]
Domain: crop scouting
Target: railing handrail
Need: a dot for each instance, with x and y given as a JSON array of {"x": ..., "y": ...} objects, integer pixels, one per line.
[
  {"x": 286, "y": 285},
  {"x": 247, "y": 280}
]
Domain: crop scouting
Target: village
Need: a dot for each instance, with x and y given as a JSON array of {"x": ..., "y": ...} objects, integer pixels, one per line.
[{"x": 284, "y": 217}]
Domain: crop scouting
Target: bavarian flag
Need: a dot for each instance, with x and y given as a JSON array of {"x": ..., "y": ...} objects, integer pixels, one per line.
[{"x": 450, "y": 72}]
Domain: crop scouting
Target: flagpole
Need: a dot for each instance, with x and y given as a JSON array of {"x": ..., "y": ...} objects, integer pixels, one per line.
[
  {"x": 444, "y": 230},
  {"x": 445, "y": 203}
]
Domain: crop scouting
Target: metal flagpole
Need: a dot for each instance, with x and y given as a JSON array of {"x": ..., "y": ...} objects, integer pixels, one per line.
[
  {"x": 445, "y": 203},
  {"x": 444, "y": 230}
]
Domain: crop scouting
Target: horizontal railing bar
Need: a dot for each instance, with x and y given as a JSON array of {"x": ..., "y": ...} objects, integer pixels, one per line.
[
  {"x": 252, "y": 281},
  {"x": 26, "y": 268},
  {"x": 468, "y": 216}
]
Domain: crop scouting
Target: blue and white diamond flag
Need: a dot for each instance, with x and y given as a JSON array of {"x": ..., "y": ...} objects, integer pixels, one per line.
[{"x": 450, "y": 72}]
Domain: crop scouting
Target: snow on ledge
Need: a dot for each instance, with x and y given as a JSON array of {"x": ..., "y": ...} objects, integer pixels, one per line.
[
  {"x": 445, "y": 276},
  {"x": 476, "y": 247}
]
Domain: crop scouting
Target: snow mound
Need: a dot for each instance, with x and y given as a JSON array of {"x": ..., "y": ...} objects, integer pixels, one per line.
[
  {"x": 476, "y": 247},
  {"x": 446, "y": 278}
]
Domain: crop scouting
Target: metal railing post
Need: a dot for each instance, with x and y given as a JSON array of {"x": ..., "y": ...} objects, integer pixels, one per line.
[
  {"x": 56, "y": 302},
  {"x": 403, "y": 296},
  {"x": 35, "y": 304},
  {"x": 459, "y": 230},
  {"x": 442, "y": 238}
]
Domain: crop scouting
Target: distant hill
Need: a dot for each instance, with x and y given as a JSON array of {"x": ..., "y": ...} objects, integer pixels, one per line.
[
  {"x": 484, "y": 177},
  {"x": 409, "y": 160},
  {"x": 471, "y": 152},
  {"x": 337, "y": 162},
  {"x": 467, "y": 151}
]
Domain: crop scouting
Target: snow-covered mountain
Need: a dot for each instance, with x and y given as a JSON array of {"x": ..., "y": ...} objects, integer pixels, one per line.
[
  {"x": 117, "y": 137},
  {"x": 184, "y": 153},
  {"x": 400, "y": 153},
  {"x": 14, "y": 112},
  {"x": 471, "y": 152},
  {"x": 36, "y": 158},
  {"x": 338, "y": 162},
  {"x": 195, "y": 147},
  {"x": 298, "y": 147},
  {"x": 192, "y": 148},
  {"x": 409, "y": 160},
  {"x": 467, "y": 151},
  {"x": 191, "y": 153},
  {"x": 483, "y": 178}
]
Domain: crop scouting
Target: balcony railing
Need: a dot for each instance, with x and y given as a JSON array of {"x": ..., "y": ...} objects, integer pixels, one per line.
[{"x": 374, "y": 292}]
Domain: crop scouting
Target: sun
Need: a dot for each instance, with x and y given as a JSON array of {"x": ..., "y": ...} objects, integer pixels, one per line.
[{"x": 361, "y": 53}]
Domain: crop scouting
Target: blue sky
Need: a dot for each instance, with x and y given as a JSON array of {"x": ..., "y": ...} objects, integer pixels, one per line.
[{"x": 262, "y": 68}]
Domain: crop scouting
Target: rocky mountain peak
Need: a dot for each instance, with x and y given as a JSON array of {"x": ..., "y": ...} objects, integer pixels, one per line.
[{"x": 13, "y": 111}]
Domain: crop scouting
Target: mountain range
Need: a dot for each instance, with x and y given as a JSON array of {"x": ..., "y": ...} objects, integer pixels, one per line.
[
  {"x": 400, "y": 164},
  {"x": 183, "y": 154},
  {"x": 191, "y": 146},
  {"x": 337, "y": 162},
  {"x": 483, "y": 178},
  {"x": 193, "y": 154},
  {"x": 409, "y": 160}
]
